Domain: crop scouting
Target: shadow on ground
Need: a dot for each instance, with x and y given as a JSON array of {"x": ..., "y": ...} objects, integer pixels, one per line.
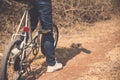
[
  {"x": 63, "y": 55},
  {"x": 34, "y": 74}
]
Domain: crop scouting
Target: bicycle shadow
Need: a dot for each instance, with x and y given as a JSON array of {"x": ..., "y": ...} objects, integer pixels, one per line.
[
  {"x": 63, "y": 55},
  {"x": 34, "y": 74}
]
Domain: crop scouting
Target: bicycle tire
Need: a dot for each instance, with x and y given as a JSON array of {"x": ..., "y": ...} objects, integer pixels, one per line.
[
  {"x": 4, "y": 75},
  {"x": 55, "y": 35}
]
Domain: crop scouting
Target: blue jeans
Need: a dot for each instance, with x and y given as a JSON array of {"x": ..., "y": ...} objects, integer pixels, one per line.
[{"x": 42, "y": 10}]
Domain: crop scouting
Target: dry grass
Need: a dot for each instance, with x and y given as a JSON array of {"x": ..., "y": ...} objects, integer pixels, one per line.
[
  {"x": 66, "y": 13},
  {"x": 69, "y": 13}
]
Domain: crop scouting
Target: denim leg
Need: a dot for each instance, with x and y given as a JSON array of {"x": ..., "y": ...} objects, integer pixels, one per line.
[
  {"x": 45, "y": 15},
  {"x": 33, "y": 17}
]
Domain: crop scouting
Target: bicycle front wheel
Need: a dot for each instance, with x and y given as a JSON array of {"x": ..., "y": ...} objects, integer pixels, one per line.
[
  {"x": 55, "y": 36},
  {"x": 8, "y": 71}
]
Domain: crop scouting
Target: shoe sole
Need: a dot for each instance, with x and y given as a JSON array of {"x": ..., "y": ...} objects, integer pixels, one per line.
[{"x": 54, "y": 70}]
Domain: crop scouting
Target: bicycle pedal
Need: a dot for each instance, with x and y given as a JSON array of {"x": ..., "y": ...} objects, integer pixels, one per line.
[{"x": 15, "y": 51}]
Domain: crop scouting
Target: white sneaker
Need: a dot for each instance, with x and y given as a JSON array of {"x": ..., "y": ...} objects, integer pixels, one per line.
[
  {"x": 56, "y": 67},
  {"x": 15, "y": 51}
]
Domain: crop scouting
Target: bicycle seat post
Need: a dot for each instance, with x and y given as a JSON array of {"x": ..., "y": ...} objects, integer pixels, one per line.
[{"x": 28, "y": 6}]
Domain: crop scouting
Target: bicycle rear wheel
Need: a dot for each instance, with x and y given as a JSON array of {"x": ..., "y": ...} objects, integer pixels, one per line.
[
  {"x": 8, "y": 71},
  {"x": 55, "y": 36}
]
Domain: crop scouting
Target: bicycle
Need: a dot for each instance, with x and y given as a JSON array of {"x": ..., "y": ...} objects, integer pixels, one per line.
[{"x": 14, "y": 66}]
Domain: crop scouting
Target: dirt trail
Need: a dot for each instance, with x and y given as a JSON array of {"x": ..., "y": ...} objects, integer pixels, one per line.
[
  {"x": 97, "y": 57},
  {"x": 103, "y": 63}
]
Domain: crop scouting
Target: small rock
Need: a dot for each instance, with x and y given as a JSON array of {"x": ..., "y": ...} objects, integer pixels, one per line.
[{"x": 77, "y": 45}]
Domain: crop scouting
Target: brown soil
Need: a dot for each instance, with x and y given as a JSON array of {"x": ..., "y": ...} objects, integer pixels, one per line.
[
  {"x": 95, "y": 58},
  {"x": 102, "y": 40}
]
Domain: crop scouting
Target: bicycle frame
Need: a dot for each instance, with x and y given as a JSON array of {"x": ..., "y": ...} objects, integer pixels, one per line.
[
  {"x": 28, "y": 48},
  {"x": 26, "y": 30}
]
